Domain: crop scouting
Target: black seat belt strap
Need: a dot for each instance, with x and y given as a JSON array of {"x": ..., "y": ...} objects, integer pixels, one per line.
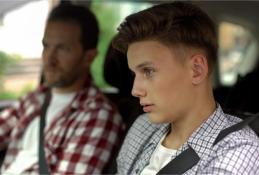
[
  {"x": 183, "y": 162},
  {"x": 43, "y": 168},
  {"x": 234, "y": 128}
]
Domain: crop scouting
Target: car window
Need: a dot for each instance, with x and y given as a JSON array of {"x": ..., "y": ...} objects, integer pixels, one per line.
[{"x": 237, "y": 52}]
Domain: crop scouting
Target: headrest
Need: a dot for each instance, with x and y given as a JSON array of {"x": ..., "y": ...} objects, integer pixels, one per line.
[{"x": 117, "y": 72}]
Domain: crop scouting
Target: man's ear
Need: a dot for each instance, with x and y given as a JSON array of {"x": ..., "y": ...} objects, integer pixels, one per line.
[
  {"x": 89, "y": 56},
  {"x": 199, "y": 65}
]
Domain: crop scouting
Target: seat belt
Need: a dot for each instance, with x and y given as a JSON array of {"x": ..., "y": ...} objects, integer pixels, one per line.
[
  {"x": 188, "y": 158},
  {"x": 234, "y": 128},
  {"x": 43, "y": 168},
  {"x": 183, "y": 162}
]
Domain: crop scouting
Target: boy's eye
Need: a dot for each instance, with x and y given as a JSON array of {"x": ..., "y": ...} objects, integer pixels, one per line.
[{"x": 148, "y": 72}]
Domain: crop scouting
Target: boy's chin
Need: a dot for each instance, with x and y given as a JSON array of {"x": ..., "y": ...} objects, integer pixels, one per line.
[{"x": 155, "y": 118}]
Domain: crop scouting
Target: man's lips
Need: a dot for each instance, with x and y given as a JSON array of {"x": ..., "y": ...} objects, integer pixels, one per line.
[{"x": 51, "y": 69}]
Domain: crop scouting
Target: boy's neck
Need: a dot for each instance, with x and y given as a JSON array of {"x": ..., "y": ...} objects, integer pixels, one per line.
[{"x": 182, "y": 129}]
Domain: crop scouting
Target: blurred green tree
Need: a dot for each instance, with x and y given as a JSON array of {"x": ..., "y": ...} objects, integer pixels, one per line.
[
  {"x": 108, "y": 20},
  {"x": 7, "y": 60}
]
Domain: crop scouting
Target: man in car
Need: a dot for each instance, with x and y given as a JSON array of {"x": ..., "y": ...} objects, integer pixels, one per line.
[{"x": 81, "y": 126}]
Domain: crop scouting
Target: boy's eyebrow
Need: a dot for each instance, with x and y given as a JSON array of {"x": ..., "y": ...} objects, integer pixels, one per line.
[{"x": 146, "y": 63}]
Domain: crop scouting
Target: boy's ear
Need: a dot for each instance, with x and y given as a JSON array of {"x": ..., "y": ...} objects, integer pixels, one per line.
[{"x": 199, "y": 66}]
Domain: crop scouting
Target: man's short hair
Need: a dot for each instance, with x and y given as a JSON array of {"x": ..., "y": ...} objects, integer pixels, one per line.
[
  {"x": 81, "y": 16},
  {"x": 171, "y": 24}
]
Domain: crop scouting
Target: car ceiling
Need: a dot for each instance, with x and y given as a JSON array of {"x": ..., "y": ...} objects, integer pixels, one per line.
[
  {"x": 8, "y": 5},
  {"x": 245, "y": 12}
]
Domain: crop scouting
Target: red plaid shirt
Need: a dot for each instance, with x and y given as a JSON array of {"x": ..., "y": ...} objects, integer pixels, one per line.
[{"x": 78, "y": 141}]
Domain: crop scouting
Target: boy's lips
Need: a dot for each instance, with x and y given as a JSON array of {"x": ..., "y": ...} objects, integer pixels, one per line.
[{"x": 147, "y": 107}]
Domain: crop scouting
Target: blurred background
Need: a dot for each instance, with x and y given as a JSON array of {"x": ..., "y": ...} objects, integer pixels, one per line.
[{"x": 22, "y": 24}]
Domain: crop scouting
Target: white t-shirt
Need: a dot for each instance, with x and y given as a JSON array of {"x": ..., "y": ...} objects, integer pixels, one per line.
[
  {"x": 30, "y": 141},
  {"x": 160, "y": 157}
]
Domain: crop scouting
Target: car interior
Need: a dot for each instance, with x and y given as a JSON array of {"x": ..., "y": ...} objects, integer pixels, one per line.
[{"x": 235, "y": 79}]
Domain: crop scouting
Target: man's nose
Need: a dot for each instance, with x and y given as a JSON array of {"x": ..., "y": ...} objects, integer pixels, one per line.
[{"x": 50, "y": 56}]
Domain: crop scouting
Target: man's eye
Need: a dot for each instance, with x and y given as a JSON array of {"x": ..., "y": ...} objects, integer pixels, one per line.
[
  {"x": 63, "y": 47},
  {"x": 45, "y": 45}
]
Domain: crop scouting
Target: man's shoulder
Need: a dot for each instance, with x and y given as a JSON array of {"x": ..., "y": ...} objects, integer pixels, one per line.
[
  {"x": 93, "y": 98},
  {"x": 34, "y": 94},
  {"x": 92, "y": 102}
]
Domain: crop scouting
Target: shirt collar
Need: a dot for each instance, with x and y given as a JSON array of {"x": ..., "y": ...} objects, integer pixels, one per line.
[
  {"x": 84, "y": 98},
  {"x": 204, "y": 137}
]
